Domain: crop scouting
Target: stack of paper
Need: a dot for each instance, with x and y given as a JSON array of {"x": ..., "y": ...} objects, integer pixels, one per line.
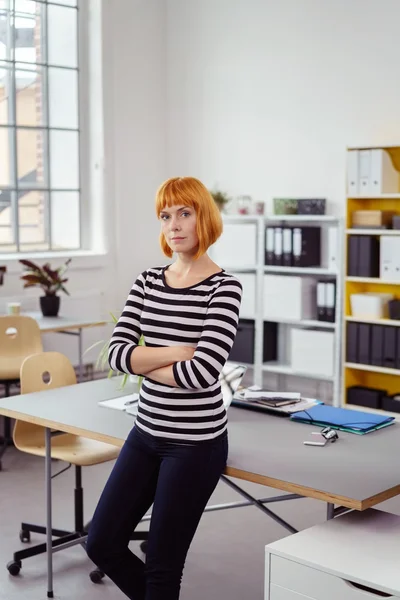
[{"x": 279, "y": 402}]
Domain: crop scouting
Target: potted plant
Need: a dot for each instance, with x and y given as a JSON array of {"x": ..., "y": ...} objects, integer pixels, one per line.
[
  {"x": 220, "y": 198},
  {"x": 49, "y": 280}
]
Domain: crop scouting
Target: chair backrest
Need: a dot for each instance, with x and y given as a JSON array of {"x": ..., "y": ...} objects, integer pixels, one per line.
[
  {"x": 19, "y": 337},
  {"x": 42, "y": 371}
]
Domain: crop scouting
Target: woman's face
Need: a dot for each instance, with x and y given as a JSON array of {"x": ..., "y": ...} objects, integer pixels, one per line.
[{"x": 178, "y": 224}]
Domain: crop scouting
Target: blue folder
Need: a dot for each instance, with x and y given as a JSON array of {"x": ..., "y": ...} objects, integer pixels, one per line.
[{"x": 353, "y": 421}]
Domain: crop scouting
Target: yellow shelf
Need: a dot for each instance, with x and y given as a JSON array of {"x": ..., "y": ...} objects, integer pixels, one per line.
[
  {"x": 356, "y": 374},
  {"x": 359, "y": 231},
  {"x": 372, "y": 369},
  {"x": 391, "y": 322},
  {"x": 374, "y": 280}
]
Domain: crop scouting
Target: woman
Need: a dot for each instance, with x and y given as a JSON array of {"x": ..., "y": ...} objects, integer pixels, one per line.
[{"x": 177, "y": 450}]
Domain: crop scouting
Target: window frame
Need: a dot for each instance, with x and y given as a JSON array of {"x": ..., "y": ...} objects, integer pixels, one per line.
[{"x": 83, "y": 95}]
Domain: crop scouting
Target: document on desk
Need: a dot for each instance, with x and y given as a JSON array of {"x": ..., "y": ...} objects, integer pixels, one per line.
[
  {"x": 121, "y": 403},
  {"x": 279, "y": 402}
]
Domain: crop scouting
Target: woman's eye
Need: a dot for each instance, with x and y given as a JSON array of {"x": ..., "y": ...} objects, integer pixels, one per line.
[
  {"x": 164, "y": 217},
  {"x": 186, "y": 214}
]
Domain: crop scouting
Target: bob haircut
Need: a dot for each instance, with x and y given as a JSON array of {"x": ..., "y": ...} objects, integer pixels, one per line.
[{"x": 189, "y": 191}]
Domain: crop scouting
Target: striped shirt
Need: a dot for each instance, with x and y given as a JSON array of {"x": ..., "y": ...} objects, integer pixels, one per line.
[{"x": 203, "y": 316}]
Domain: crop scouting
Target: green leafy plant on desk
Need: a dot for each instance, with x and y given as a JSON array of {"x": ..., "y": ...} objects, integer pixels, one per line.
[
  {"x": 50, "y": 281},
  {"x": 102, "y": 359}
]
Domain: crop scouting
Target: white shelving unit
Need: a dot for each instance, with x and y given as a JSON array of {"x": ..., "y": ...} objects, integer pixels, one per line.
[{"x": 281, "y": 368}]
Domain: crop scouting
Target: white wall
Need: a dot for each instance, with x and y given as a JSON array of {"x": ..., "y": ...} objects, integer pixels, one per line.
[
  {"x": 134, "y": 79},
  {"x": 264, "y": 96}
]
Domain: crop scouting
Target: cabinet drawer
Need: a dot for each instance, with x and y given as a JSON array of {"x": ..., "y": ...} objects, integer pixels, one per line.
[
  {"x": 317, "y": 584},
  {"x": 279, "y": 593}
]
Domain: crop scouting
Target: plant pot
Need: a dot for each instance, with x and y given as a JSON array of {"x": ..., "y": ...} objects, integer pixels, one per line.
[{"x": 50, "y": 305}]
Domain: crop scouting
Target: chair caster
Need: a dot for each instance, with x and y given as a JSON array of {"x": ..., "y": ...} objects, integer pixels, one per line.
[
  {"x": 143, "y": 547},
  {"x": 96, "y": 576},
  {"x": 14, "y": 567},
  {"x": 25, "y": 536}
]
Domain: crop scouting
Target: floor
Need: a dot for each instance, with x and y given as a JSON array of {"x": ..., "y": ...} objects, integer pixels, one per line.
[{"x": 225, "y": 561}]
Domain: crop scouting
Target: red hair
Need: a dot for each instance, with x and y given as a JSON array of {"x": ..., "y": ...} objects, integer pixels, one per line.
[{"x": 189, "y": 191}]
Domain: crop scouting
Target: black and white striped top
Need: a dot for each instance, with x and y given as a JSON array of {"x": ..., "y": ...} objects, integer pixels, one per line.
[{"x": 203, "y": 316}]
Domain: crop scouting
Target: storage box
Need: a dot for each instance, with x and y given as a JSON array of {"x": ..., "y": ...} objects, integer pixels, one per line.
[
  {"x": 237, "y": 246},
  {"x": 285, "y": 206},
  {"x": 370, "y": 305},
  {"x": 311, "y": 206},
  {"x": 243, "y": 348},
  {"x": 312, "y": 351},
  {"x": 248, "y": 304},
  {"x": 391, "y": 403},
  {"x": 289, "y": 297},
  {"x": 365, "y": 396},
  {"x": 372, "y": 218}
]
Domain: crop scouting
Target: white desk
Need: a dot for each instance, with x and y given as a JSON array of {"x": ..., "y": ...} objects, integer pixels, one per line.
[{"x": 67, "y": 326}]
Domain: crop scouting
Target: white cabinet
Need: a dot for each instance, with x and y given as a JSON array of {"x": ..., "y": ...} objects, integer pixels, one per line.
[
  {"x": 237, "y": 246},
  {"x": 248, "y": 305},
  {"x": 352, "y": 557},
  {"x": 289, "y": 297},
  {"x": 312, "y": 351}
]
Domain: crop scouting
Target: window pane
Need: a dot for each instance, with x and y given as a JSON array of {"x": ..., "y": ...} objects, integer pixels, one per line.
[
  {"x": 65, "y": 220},
  {"x": 5, "y": 86},
  {"x": 63, "y": 98},
  {"x": 64, "y": 160},
  {"x": 30, "y": 158},
  {"x": 32, "y": 226},
  {"x": 6, "y": 231},
  {"x": 68, "y": 2},
  {"x": 28, "y": 31},
  {"x": 5, "y": 158},
  {"x": 62, "y": 36},
  {"x": 30, "y": 97}
]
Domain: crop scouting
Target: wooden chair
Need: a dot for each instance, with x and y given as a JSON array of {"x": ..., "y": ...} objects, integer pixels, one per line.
[
  {"x": 46, "y": 371},
  {"x": 19, "y": 337}
]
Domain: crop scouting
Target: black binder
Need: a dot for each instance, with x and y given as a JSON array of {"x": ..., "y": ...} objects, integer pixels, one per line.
[
  {"x": 377, "y": 345},
  {"x": 389, "y": 347},
  {"x": 364, "y": 343},
  {"x": 352, "y": 342}
]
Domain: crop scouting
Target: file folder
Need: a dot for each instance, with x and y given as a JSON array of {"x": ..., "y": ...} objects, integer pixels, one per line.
[{"x": 352, "y": 421}]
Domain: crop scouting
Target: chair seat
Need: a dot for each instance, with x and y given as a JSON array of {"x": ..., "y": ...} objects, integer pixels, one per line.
[{"x": 70, "y": 448}]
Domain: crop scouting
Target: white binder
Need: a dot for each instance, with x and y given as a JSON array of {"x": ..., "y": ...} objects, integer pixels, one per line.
[
  {"x": 384, "y": 177},
  {"x": 352, "y": 173}
]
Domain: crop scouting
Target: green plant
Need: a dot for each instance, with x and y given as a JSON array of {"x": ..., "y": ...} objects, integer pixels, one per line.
[
  {"x": 50, "y": 280},
  {"x": 220, "y": 198},
  {"x": 102, "y": 358}
]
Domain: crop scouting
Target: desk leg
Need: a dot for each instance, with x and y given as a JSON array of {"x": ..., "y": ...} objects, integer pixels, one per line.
[
  {"x": 50, "y": 593},
  {"x": 330, "y": 511},
  {"x": 80, "y": 350}
]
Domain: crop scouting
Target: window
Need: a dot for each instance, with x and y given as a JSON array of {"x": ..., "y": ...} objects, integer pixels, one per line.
[{"x": 39, "y": 126}]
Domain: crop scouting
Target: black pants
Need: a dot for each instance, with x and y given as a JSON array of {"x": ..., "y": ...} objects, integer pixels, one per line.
[{"x": 179, "y": 480}]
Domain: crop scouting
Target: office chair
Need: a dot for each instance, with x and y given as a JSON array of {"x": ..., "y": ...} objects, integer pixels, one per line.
[
  {"x": 19, "y": 337},
  {"x": 73, "y": 449}
]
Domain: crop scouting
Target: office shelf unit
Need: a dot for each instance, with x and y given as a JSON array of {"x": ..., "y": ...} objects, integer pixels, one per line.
[
  {"x": 356, "y": 374},
  {"x": 282, "y": 368}
]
